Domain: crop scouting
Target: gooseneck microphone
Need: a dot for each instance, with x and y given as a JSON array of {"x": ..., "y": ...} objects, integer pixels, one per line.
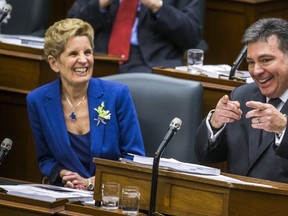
[
  {"x": 5, "y": 10},
  {"x": 173, "y": 128},
  {"x": 237, "y": 62},
  {"x": 6, "y": 145}
]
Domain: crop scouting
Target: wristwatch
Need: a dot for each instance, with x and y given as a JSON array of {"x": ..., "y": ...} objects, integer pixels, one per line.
[{"x": 90, "y": 185}]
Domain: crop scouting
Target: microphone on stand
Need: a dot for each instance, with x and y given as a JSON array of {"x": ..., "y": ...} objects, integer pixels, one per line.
[
  {"x": 4, "y": 12},
  {"x": 173, "y": 128},
  {"x": 6, "y": 145},
  {"x": 237, "y": 62}
]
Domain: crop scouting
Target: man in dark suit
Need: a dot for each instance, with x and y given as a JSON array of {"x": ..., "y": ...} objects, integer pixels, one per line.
[
  {"x": 245, "y": 129},
  {"x": 163, "y": 30}
]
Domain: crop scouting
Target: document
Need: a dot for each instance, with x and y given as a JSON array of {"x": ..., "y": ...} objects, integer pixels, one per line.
[
  {"x": 23, "y": 40},
  {"x": 220, "y": 71},
  {"x": 175, "y": 165},
  {"x": 190, "y": 169},
  {"x": 48, "y": 193}
]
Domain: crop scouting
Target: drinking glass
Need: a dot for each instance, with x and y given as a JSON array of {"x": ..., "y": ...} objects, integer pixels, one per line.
[
  {"x": 130, "y": 200},
  {"x": 195, "y": 59},
  {"x": 110, "y": 195}
]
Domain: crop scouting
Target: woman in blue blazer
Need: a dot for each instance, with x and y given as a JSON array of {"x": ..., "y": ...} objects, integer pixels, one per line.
[{"x": 77, "y": 117}]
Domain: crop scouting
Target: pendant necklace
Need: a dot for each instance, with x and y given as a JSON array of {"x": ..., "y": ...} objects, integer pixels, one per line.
[{"x": 72, "y": 115}]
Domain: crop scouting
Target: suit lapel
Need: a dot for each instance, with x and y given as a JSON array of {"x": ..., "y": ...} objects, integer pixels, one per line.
[
  {"x": 55, "y": 116},
  {"x": 95, "y": 93},
  {"x": 143, "y": 11},
  {"x": 254, "y": 135},
  {"x": 256, "y": 152}
]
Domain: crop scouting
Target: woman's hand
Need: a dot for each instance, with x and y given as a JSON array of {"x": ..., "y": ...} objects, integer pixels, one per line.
[{"x": 73, "y": 180}]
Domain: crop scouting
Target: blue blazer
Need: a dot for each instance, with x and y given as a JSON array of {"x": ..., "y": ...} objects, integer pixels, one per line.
[{"x": 119, "y": 136}]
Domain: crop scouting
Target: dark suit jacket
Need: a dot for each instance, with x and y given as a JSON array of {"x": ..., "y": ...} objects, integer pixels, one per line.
[
  {"x": 163, "y": 39},
  {"x": 119, "y": 136},
  {"x": 240, "y": 145}
]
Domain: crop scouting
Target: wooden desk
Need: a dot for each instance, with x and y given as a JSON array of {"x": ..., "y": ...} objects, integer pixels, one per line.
[
  {"x": 213, "y": 89},
  {"x": 186, "y": 195},
  {"x": 14, "y": 205},
  {"x": 77, "y": 209},
  {"x": 25, "y": 68},
  {"x": 226, "y": 21},
  {"x": 18, "y": 206},
  {"x": 22, "y": 69}
]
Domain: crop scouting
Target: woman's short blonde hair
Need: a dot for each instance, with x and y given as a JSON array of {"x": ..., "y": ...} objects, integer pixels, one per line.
[{"x": 58, "y": 34}]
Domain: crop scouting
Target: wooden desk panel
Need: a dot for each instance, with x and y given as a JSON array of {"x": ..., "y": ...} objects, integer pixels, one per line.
[
  {"x": 25, "y": 68},
  {"x": 20, "y": 162},
  {"x": 13, "y": 205},
  {"x": 186, "y": 195},
  {"x": 77, "y": 209}
]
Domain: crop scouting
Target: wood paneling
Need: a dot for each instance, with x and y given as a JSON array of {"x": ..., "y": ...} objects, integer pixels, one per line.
[{"x": 227, "y": 20}]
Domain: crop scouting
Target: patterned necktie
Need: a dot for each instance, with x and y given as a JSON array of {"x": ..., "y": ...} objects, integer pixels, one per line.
[
  {"x": 119, "y": 43},
  {"x": 275, "y": 101}
]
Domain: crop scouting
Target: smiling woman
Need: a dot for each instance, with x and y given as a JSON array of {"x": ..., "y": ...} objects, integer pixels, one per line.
[{"x": 65, "y": 126}]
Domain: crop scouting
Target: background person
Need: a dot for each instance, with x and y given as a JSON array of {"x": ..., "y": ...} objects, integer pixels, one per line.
[{"x": 162, "y": 31}]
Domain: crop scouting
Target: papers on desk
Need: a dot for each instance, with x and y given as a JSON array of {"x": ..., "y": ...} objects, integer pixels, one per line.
[
  {"x": 227, "y": 179},
  {"x": 175, "y": 165},
  {"x": 48, "y": 193},
  {"x": 191, "y": 169},
  {"x": 23, "y": 40},
  {"x": 221, "y": 71}
]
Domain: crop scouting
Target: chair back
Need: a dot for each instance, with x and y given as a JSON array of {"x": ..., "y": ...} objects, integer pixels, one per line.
[
  {"x": 158, "y": 100},
  {"x": 28, "y": 17}
]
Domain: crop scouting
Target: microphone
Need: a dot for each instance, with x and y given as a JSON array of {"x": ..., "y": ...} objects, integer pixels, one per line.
[
  {"x": 5, "y": 147},
  {"x": 4, "y": 12},
  {"x": 173, "y": 128},
  {"x": 237, "y": 62}
]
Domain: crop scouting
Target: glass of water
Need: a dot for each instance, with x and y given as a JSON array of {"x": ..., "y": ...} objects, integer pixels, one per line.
[
  {"x": 110, "y": 195},
  {"x": 195, "y": 58},
  {"x": 130, "y": 200}
]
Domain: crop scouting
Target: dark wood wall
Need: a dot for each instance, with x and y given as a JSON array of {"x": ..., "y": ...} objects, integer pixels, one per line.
[
  {"x": 227, "y": 20},
  {"x": 60, "y": 8}
]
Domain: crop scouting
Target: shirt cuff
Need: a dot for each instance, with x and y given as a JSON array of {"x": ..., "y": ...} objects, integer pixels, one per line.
[{"x": 212, "y": 136}]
